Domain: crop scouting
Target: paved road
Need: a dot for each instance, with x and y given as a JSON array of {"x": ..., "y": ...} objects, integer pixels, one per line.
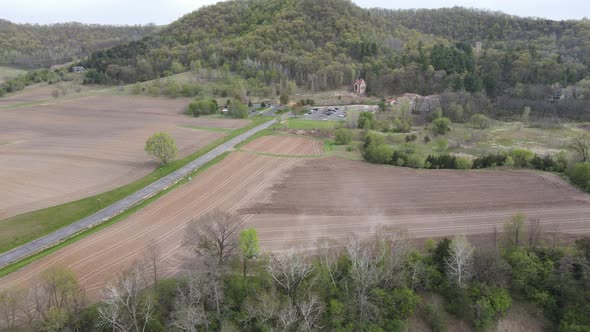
[{"x": 126, "y": 203}]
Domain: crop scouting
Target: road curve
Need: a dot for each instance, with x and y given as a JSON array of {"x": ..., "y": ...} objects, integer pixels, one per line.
[{"x": 126, "y": 203}]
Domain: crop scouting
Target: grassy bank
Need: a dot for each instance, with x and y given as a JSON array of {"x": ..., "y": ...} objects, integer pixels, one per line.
[{"x": 21, "y": 229}]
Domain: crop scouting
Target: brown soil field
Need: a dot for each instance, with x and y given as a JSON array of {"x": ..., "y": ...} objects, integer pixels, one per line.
[
  {"x": 30, "y": 94},
  {"x": 98, "y": 258},
  {"x": 65, "y": 150},
  {"x": 294, "y": 202},
  {"x": 284, "y": 145},
  {"x": 332, "y": 198}
]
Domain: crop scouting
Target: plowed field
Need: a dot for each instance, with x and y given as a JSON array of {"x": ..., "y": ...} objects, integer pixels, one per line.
[
  {"x": 66, "y": 150},
  {"x": 332, "y": 198},
  {"x": 298, "y": 146},
  {"x": 237, "y": 180}
]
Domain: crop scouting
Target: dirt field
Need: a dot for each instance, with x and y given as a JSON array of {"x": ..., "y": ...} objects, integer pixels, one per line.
[
  {"x": 283, "y": 145},
  {"x": 65, "y": 150},
  {"x": 293, "y": 202},
  {"x": 101, "y": 256},
  {"x": 332, "y": 198}
]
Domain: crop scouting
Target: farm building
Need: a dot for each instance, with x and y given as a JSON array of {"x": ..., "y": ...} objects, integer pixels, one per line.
[{"x": 359, "y": 86}]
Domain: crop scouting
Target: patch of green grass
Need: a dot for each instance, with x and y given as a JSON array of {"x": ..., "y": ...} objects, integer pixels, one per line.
[
  {"x": 311, "y": 124},
  {"x": 28, "y": 260},
  {"x": 328, "y": 145},
  {"x": 219, "y": 130},
  {"x": 21, "y": 229}
]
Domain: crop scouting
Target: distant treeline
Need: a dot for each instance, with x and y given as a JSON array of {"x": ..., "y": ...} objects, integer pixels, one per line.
[{"x": 38, "y": 46}]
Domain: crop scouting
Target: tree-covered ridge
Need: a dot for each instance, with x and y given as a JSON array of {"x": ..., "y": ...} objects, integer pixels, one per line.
[
  {"x": 28, "y": 45},
  {"x": 319, "y": 44},
  {"x": 328, "y": 43}
]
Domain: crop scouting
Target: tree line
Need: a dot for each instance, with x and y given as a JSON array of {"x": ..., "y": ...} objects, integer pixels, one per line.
[{"x": 39, "y": 46}]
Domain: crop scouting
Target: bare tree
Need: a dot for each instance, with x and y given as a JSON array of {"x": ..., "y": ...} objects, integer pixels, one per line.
[
  {"x": 289, "y": 270},
  {"x": 310, "y": 310},
  {"x": 264, "y": 308},
  {"x": 287, "y": 316},
  {"x": 460, "y": 264},
  {"x": 10, "y": 302},
  {"x": 214, "y": 234},
  {"x": 153, "y": 254},
  {"x": 490, "y": 267},
  {"x": 125, "y": 307},
  {"x": 189, "y": 310},
  {"x": 534, "y": 232},
  {"x": 581, "y": 147},
  {"x": 365, "y": 275}
]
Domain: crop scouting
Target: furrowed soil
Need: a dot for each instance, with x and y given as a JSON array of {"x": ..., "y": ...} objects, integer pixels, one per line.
[
  {"x": 100, "y": 257},
  {"x": 331, "y": 198},
  {"x": 65, "y": 150},
  {"x": 294, "y": 202},
  {"x": 281, "y": 144}
]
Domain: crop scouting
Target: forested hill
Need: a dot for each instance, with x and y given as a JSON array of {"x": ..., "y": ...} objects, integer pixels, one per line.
[
  {"x": 30, "y": 46},
  {"x": 327, "y": 43}
]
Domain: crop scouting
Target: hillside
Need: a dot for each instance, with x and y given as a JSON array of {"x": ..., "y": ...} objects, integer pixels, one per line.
[{"x": 31, "y": 46}]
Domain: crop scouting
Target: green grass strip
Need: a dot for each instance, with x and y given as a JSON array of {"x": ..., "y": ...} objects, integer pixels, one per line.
[
  {"x": 18, "y": 230},
  {"x": 26, "y": 261}
]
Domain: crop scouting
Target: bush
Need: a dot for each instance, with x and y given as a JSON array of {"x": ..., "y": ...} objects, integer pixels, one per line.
[
  {"x": 444, "y": 161},
  {"x": 521, "y": 157},
  {"x": 441, "y": 126},
  {"x": 490, "y": 160},
  {"x": 411, "y": 137},
  {"x": 426, "y": 139},
  {"x": 464, "y": 163},
  {"x": 202, "y": 107},
  {"x": 343, "y": 136},
  {"x": 580, "y": 175},
  {"x": 480, "y": 121},
  {"x": 547, "y": 163},
  {"x": 365, "y": 120}
]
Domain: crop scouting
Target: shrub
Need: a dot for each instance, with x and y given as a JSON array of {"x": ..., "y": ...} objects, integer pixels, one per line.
[
  {"x": 441, "y": 126},
  {"x": 480, "y": 121},
  {"x": 490, "y": 160},
  {"x": 580, "y": 175},
  {"x": 464, "y": 163},
  {"x": 343, "y": 136},
  {"x": 202, "y": 107},
  {"x": 521, "y": 157},
  {"x": 411, "y": 137},
  {"x": 547, "y": 163},
  {"x": 365, "y": 120},
  {"x": 378, "y": 153},
  {"x": 443, "y": 161},
  {"x": 426, "y": 139}
]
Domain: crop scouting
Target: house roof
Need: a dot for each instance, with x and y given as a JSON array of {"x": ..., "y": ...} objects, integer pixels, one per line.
[{"x": 361, "y": 81}]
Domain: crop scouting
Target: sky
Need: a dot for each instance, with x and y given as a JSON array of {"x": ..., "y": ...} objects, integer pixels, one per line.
[{"x": 124, "y": 12}]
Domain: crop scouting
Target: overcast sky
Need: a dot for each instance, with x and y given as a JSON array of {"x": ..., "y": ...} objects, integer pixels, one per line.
[{"x": 166, "y": 11}]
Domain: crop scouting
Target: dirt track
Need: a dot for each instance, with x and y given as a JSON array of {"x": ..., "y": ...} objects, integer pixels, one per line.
[
  {"x": 66, "y": 150},
  {"x": 293, "y": 202}
]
